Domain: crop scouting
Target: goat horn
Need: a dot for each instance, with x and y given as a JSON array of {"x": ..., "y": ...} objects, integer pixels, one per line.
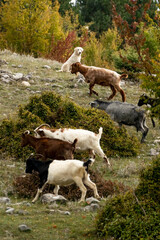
[
  {"x": 27, "y": 132},
  {"x": 44, "y": 124}
]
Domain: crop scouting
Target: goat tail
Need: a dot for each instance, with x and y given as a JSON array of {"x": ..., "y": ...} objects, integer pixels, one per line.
[
  {"x": 123, "y": 76},
  {"x": 100, "y": 132},
  {"x": 86, "y": 164},
  {"x": 74, "y": 142}
]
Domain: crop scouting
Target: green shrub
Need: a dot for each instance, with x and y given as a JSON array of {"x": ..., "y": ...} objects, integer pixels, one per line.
[
  {"x": 126, "y": 60},
  {"x": 134, "y": 215},
  {"x": 61, "y": 112}
]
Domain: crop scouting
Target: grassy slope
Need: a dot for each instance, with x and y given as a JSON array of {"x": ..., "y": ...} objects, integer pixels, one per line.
[{"x": 125, "y": 170}]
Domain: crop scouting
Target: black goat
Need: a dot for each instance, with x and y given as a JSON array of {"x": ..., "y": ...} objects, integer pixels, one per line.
[{"x": 153, "y": 102}]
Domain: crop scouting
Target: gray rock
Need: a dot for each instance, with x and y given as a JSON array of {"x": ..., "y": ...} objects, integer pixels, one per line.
[
  {"x": 5, "y": 75},
  {"x": 26, "y": 84},
  {"x": 92, "y": 200},
  {"x": 153, "y": 152},
  {"x": 10, "y": 210},
  {"x": 81, "y": 80},
  {"x": 22, "y": 212},
  {"x": 46, "y": 66},
  {"x": 24, "y": 202},
  {"x": 18, "y": 76},
  {"x": 52, "y": 211},
  {"x": 29, "y": 76},
  {"x": 91, "y": 208},
  {"x": 11, "y": 165},
  {"x": 4, "y": 200},
  {"x": 19, "y": 66},
  {"x": 64, "y": 212},
  {"x": 24, "y": 228},
  {"x": 5, "y": 80},
  {"x": 50, "y": 198},
  {"x": 56, "y": 85}
]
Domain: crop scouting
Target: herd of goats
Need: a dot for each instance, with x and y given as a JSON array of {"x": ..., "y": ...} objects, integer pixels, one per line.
[{"x": 60, "y": 144}]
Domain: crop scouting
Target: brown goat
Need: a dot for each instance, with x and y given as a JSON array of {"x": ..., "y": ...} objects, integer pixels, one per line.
[
  {"x": 49, "y": 148},
  {"x": 100, "y": 76}
]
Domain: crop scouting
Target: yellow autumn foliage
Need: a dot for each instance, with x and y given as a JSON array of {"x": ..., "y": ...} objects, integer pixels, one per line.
[{"x": 28, "y": 26}]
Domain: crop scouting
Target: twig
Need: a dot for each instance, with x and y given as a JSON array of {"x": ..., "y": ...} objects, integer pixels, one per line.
[{"x": 139, "y": 203}]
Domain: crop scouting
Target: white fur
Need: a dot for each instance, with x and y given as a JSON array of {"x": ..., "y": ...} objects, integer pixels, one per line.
[
  {"x": 87, "y": 140},
  {"x": 75, "y": 57},
  {"x": 64, "y": 173}
]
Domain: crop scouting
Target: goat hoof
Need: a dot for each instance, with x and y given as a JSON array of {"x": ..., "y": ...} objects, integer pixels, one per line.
[
  {"x": 98, "y": 197},
  {"x": 81, "y": 201}
]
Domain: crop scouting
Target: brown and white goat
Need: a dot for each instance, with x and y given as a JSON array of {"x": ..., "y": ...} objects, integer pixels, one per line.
[
  {"x": 49, "y": 148},
  {"x": 100, "y": 76},
  {"x": 86, "y": 140}
]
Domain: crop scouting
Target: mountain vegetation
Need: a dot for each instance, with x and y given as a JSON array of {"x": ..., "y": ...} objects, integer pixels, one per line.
[{"x": 120, "y": 35}]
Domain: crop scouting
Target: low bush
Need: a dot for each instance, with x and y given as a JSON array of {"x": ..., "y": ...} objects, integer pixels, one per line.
[
  {"x": 61, "y": 112},
  {"x": 27, "y": 185},
  {"x": 134, "y": 215}
]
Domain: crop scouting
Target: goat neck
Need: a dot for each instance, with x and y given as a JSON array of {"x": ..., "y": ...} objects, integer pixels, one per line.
[
  {"x": 83, "y": 69},
  {"x": 32, "y": 141}
]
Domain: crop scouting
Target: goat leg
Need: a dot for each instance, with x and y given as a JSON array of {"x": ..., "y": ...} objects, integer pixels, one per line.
[
  {"x": 91, "y": 90},
  {"x": 114, "y": 91},
  {"x": 39, "y": 191},
  {"x": 107, "y": 161}
]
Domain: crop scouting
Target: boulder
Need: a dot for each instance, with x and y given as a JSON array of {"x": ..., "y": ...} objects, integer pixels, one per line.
[{"x": 50, "y": 198}]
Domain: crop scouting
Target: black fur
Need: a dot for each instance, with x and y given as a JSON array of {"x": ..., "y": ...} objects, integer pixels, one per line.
[
  {"x": 41, "y": 167},
  {"x": 86, "y": 164}
]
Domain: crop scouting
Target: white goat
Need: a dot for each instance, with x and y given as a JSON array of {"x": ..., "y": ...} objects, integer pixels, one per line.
[
  {"x": 87, "y": 140},
  {"x": 62, "y": 173}
]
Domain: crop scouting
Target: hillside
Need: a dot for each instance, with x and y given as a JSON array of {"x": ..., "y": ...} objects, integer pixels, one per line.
[{"x": 41, "y": 76}]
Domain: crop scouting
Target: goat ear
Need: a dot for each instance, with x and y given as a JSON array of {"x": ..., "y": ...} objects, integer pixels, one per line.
[
  {"x": 75, "y": 141},
  {"x": 41, "y": 132}
]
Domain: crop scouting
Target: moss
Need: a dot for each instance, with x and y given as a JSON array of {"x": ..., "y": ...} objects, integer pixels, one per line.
[
  {"x": 134, "y": 215},
  {"x": 59, "y": 112}
]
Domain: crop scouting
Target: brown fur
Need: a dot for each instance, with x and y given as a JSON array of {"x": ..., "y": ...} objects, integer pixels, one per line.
[
  {"x": 50, "y": 148},
  {"x": 100, "y": 76}
]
